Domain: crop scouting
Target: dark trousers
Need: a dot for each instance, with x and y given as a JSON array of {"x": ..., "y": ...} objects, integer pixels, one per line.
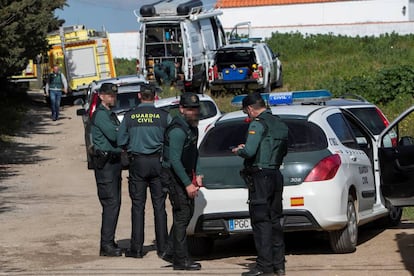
[
  {"x": 145, "y": 171},
  {"x": 108, "y": 181},
  {"x": 183, "y": 210},
  {"x": 265, "y": 207}
]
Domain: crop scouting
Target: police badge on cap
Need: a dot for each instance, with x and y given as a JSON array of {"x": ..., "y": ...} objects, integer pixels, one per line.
[
  {"x": 108, "y": 88},
  {"x": 189, "y": 99}
]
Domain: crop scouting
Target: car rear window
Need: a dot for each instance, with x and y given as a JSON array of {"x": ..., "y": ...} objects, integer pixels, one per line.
[
  {"x": 239, "y": 56},
  {"x": 207, "y": 110},
  {"x": 303, "y": 136},
  {"x": 126, "y": 101},
  {"x": 370, "y": 117}
]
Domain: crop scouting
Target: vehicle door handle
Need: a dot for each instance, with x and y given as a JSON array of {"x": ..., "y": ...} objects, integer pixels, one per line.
[{"x": 353, "y": 158}]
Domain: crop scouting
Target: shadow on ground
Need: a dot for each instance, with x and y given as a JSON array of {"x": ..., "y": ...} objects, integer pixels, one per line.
[{"x": 17, "y": 150}]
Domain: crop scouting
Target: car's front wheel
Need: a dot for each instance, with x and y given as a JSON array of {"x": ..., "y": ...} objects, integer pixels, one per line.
[{"x": 345, "y": 240}]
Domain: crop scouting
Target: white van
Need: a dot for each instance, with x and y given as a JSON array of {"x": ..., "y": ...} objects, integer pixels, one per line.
[{"x": 177, "y": 40}]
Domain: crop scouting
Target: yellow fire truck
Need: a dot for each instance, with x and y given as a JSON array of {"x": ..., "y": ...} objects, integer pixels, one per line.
[{"x": 84, "y": 55}]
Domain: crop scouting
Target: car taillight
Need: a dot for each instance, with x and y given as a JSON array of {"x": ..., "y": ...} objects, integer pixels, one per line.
[
  {"x": 211, "y": 73},
  {"x": 384, "y": 119},
  {"x": 382, "y": 116},
  {"x": 93, "y": 105},
  {"x": 260, "y": 71},
  {"x": 326, "y": 169}
]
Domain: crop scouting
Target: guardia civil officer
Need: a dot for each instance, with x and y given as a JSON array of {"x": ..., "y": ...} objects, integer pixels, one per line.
[
  {"x": 142, "y": 134},
  {"x": 107, "y": 167},
  {"x": 181, "y": 176},
  {"x": 56, "y": 85},
  {"x": 265, "y": 147}
]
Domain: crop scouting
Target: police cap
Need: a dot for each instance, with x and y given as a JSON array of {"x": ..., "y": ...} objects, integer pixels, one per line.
[
  {"x": 189, "y": 99},
  {"x": 108, "y": 88},
  {"x": 251, "y": 99}
]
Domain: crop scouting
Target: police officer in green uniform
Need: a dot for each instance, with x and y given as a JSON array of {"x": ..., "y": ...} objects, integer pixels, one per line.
[
  {"x": 142, "y": 134},
  {"x": 107, "y": 165},
  {"x": 56, "y": 85},
  {"x": 180, "y": 175},
  {"x": 265, "y": 147}
]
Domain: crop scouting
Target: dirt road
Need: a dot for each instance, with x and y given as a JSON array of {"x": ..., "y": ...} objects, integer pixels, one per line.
[{"x": 50, "y": 219}]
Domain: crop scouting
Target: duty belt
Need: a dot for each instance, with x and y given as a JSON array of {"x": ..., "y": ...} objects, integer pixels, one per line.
[
  {"x": 254, "y": 169},
  {"x": 155, "y": 154}
]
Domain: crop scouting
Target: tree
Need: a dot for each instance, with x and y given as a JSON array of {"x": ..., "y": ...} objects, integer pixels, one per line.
[{"x": 24, "y": 25}]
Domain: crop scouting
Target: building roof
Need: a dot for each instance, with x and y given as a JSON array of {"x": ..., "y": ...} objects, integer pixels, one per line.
[{"x": 253, "y": 3}]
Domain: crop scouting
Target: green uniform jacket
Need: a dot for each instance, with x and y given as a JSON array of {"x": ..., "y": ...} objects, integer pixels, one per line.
[
  {"x": 266, "y": 143},
  {"x": 104, "y": 130},
  {"x": 142, "y": 129},
  {"x": 179, "y": 148}
]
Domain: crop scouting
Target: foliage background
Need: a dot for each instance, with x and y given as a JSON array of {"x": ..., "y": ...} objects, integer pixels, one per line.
[{"x": 23, "y": 28}]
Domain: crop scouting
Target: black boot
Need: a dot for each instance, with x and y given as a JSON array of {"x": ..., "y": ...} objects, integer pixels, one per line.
[
  {"x": 256, "y": 272},
  {"x": 110, "y": 251},
  {"x": 166, "y": 257},
  {"x": 186, "y": 265},
  {"x": 133, "y": 254}
]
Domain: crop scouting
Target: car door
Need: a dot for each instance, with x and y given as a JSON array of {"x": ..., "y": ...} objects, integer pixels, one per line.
[
  {"x": 273, "y": 64},
  {"x": 358, "y": 163},
  {"x": 396, "y": 161}
]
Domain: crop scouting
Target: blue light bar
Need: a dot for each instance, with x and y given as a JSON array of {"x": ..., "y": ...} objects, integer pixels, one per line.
[{"x": 287, "y": 98}]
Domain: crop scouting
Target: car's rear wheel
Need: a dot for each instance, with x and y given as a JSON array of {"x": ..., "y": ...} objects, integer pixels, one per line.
[
  {"x": 345, "y": 240},
  {"x": 200, "y": 246}
]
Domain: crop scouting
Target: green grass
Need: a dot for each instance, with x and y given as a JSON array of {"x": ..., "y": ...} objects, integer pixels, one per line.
[{"x": 408, "y": 213}]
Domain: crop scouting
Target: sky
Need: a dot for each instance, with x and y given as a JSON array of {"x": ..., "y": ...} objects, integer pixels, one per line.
[{"x": 114, "y": 16}]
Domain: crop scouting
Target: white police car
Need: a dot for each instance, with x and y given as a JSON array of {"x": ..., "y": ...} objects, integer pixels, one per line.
[
  {"x": 128, "y": 88},
  {"x": 337, "y": 176}
]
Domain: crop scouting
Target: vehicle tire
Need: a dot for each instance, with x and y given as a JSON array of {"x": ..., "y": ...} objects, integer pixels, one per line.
[
  {"x": 345, "y": 240},
  {"x": 392, "y": 219},
  {"x": 200, "y": 246},
  {"x": 394, "y": 216},
  {"x": 268, "y": 87},
  {"x": 279, "y": 83}
]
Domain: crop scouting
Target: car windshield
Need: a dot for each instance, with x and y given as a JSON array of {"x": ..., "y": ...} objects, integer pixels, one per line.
[{"x": 303, "y": 136}]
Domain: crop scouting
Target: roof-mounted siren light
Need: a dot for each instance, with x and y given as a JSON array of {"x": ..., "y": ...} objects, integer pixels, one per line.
[
  {"x": 147, "y": 10},
  {"x": 188, "y": 7},
  {"x": 287, "y": 98}
]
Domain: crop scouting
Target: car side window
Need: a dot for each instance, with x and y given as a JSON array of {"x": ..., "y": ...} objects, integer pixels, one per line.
[{"x": 342, "y": 130}]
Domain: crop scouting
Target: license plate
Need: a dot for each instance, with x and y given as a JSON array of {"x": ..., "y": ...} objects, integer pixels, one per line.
[{"x": 239, "y": 224}]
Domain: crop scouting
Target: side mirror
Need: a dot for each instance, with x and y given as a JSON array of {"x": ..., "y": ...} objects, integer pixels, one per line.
[{"x": 81, "y": 112}]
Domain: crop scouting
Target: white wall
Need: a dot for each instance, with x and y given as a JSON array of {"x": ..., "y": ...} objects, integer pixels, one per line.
[
  {"x": 332, "y": 17},
  {"x": 124, "y": 45}
]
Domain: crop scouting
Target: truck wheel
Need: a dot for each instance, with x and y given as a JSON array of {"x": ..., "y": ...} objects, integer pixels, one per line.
[
  {"x": 200, "y": 246},
  {"x": 345, "y": 240}
]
